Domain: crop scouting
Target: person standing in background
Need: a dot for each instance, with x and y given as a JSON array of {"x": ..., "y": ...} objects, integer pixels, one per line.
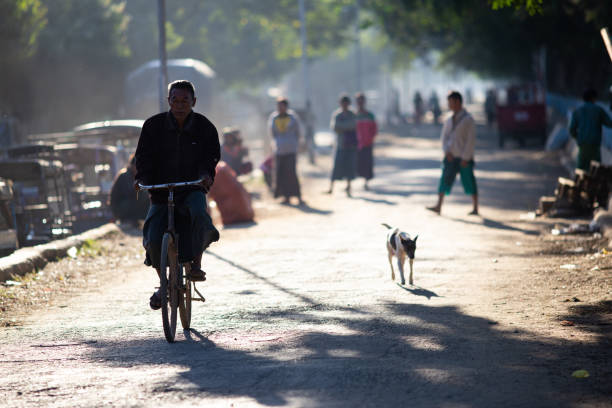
[
  {"x": 285, "y": 130},
  {"x": 585, "y": 127},
  {"x": 458, "y": 143},
  {"x": 344, "y": 123},
  {"x": 434, "y": 106},
  {"x": 366, "y": 132}
]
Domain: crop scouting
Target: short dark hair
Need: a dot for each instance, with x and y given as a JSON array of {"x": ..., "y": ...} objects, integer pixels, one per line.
[
  {"x": 455, "y": 95},
  {"x": 589, "y": 95},
  {"x": 283, "y": 100},
  {"x": 344, "y": 98},
  {"x": 360, "y": 95},
  {"x": 181, "y": 84}
]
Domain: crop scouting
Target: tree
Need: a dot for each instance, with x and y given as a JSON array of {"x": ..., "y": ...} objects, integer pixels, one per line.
[
  {"x": 61, "y": 60},
  {"x": 20, "y": 25},
  {"x": 502, "y": 42},
  {"x": 244, "y": 41}
]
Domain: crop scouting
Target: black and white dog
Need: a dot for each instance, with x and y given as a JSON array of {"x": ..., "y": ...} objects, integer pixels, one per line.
[{"x": 400, "y": 245}]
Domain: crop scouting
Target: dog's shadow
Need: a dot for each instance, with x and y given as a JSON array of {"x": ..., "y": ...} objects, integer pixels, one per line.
[{"x": 418, "y": 291}]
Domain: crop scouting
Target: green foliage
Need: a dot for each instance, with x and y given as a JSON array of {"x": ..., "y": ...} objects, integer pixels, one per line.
[
  {"x": 244, "y": 41},
  {"x": 532, "y": 6},
  {"x": 90, "y": 248},
  {"x": 59, "y": 52},
  {"x": 20, "y": 24},
  {"x": 503, "y": 42}
]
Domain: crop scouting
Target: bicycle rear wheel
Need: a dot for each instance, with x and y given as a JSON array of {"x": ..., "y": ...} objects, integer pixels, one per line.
[
  {"x": 185, "y": 301},
  {"x": 169, "y": 288}
]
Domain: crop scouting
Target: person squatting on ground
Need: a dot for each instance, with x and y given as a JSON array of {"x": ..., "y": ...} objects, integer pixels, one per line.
[
  {"x": 458, "y": 141},
  {"x": 127, "y": 206},
  {"x": 585, "y": 127},
  {"x": 285, "y": 130},
  {"x": 366, "y": 132},
  {"x": 176, "y": 146},
  {"x": 344, "y": 123},
  {"x": 234, "y": 153}
]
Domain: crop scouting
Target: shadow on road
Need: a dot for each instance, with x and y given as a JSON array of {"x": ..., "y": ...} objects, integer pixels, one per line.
[
  {"x": 489, "y": 223},
  {"x": 373, "y": 200},
  {"x": 305, "y": 208},
  {"x": 408, "y": 355},
  {"x": 261, "y": 278},
  {"x": 418, "y": 291}
]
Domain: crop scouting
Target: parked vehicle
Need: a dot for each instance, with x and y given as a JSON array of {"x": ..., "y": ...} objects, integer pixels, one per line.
[
  {"x": 91, "y": 170},
  {"x": 142, "y": 92},
  {"x": 8, "y": 229},
  {"x": 121, "y": 134},
  {"x": 41, "y": 201},
  {"x": 521, "y": 114}
]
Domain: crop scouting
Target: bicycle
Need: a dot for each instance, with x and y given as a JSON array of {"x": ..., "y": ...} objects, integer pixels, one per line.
[{"x": 175, "y": 287}]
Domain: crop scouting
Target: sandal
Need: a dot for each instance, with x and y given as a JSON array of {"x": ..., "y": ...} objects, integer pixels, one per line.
[
  {"x": 196, "y": 274},
  {"x": 155, "y": 301}
]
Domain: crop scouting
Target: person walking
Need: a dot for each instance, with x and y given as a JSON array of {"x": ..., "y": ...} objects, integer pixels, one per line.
[
  {"x": 285, "y": 130},
  {"x": 344, "y": 123},
  {"x": 585, "y": 127},
  {"x": 458, "y": 141},
  {"x": 434, "y": 106},
  {"x": 419, "y": 109},
  {"x": 366, "y": 132}
]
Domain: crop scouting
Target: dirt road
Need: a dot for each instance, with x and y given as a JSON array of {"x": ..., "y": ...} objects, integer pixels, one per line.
[{"x": 301, "y": 310}]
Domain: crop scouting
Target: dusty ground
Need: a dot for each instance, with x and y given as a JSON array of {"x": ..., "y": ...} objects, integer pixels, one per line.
[{"x": 301, "y": 311}]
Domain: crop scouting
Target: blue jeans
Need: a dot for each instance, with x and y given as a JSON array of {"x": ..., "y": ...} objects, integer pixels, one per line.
[{"x": 192, "y": 222}]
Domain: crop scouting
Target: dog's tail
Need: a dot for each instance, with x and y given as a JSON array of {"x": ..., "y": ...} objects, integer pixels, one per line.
[{"x": 386, "y": 225}]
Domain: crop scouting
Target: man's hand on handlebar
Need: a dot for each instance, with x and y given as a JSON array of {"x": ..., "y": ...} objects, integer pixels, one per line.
[
  {"x": 207, "y": 182},
  {"x": 136, "y": 186}
]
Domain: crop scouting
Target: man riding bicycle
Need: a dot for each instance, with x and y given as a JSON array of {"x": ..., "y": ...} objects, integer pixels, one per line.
[{"x": 176, "y": 146}]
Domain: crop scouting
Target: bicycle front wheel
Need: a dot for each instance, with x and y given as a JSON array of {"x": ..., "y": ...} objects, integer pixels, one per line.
[
  {"x": 169, "y": 288},
  {"x": 185, "y": 302}
]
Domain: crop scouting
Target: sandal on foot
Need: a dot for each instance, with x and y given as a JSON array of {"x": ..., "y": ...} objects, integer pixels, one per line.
[
  {"x": 196, "y": 274},
  {"x": 433, "y": 209},
  {"x": 155, "y": 301}
]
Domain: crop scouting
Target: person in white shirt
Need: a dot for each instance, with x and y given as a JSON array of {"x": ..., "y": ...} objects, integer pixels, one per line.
[{"x": 458, "y": 141}]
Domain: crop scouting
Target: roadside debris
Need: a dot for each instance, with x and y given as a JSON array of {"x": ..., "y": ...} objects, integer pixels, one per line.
[
  {"x": 72, "y": 252},
  {"x": 576, "y": 229},
  {"x": 568, "y": 266}
]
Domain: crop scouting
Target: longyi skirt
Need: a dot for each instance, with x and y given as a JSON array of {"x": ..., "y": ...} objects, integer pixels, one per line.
[
  {"x": 365, "y": 162},
  {"x": 345, "y": 164},
  {"x": 286, "y": 182}
]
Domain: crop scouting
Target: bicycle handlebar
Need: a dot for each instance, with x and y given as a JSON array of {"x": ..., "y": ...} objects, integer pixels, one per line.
[{"x": 170, "y": 185}]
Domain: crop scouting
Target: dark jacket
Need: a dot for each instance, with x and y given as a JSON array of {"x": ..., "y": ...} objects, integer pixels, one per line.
[{"x": 167, "y": 154}]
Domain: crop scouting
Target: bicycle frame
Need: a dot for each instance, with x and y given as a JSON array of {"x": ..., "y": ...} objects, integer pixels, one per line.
[
  {"x": 184, "y": 284},
  {"x": 170, "y": 187}
]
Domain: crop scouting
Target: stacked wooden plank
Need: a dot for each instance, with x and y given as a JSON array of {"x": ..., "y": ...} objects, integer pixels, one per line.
[{"x": 582, "y": 195}]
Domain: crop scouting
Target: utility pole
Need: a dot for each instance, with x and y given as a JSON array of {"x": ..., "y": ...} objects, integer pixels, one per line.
[
  {"x": 163, "y": 67},
  {"x": 306, "y": 78},
  {"x": 358, "y": 47}
]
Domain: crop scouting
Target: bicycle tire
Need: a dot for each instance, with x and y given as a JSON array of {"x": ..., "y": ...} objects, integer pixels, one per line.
[
  {"x": 169, "y": 286},
  {"x": 185, "y": 303}
]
